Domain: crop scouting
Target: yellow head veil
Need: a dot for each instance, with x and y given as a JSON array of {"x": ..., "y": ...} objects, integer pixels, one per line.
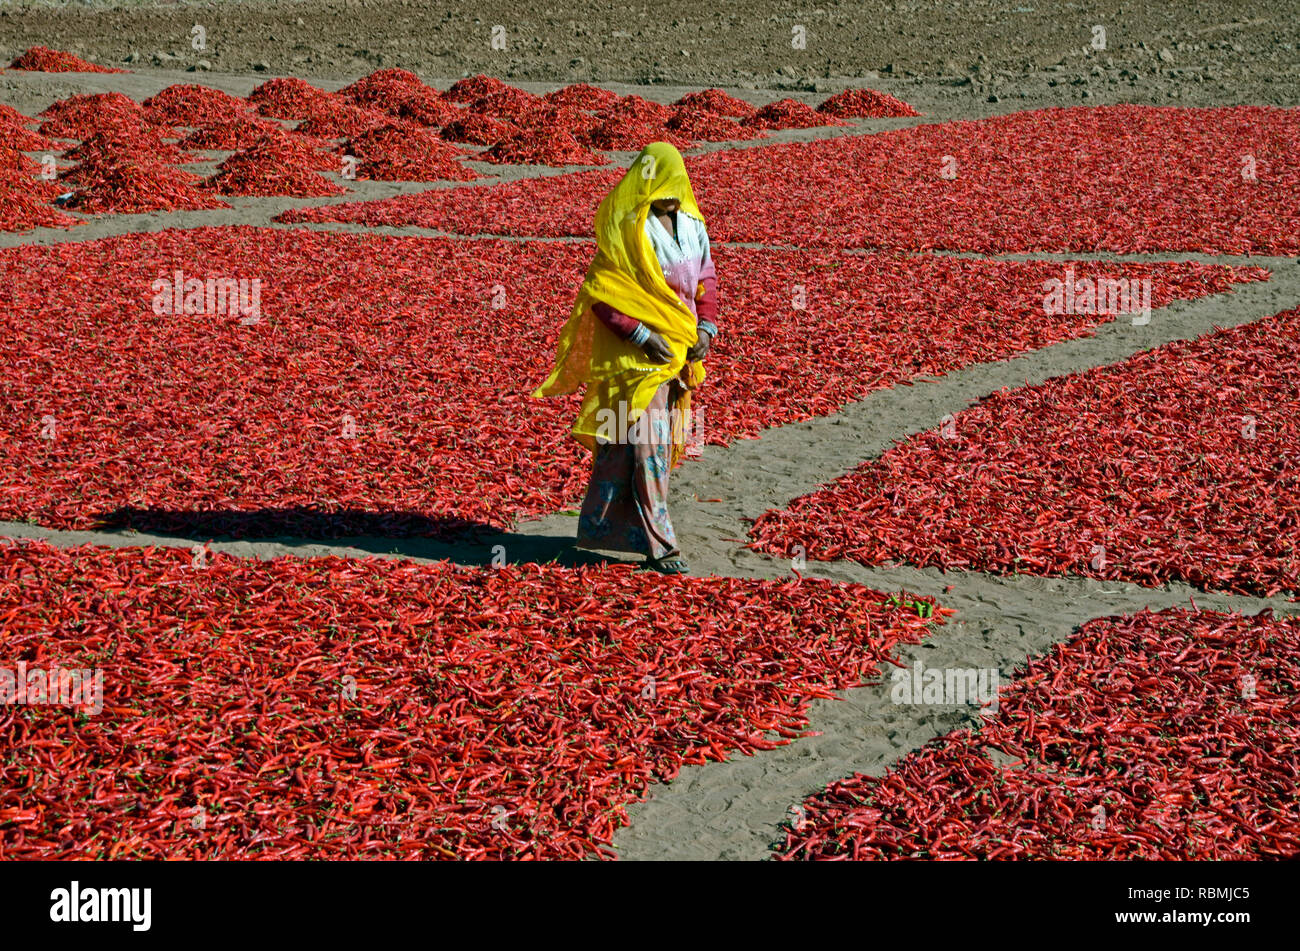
[{"x": 626, "y": 275}]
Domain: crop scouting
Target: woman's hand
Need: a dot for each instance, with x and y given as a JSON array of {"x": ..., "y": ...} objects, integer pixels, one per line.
[
  {"x": 701, "y": 348},
  {"x": 657, "y": 349}
]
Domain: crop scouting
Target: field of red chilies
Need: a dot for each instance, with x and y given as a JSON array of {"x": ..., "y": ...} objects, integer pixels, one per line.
[
  {"x": 1155, "y": 736},
  {"x": 1114, "y": 178},
  {"x": 361, "y": 399},
  {"x": 292, "y": 384},
  {"x": 328, "y": 708},
  {"x": 1181, "y": 463}
]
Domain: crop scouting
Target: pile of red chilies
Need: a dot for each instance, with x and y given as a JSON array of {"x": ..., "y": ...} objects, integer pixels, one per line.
[
  {"x": 693, "y": 122},
  {"x": 15, "y": 134},
  {"x": 429, "y": 108},
  {"x": 193, "y": 105},
  {"x": 866, "y": 104},
  {"x": 582, "y": 96},
  {"x": 125, "y": 142},
  {"x": 716, "y": 101},
  {"x": 474, "y": 87},
  {"x": 80, "y": 117},
  {"x": 328, "y": 708},
  {"x": 401, "y": 153},
  {"x": 124, "y": 185},
  {"x": 229, "y": 136},
  {"x": 286, "y": 98},
  {"x": 789, "y": 114},
  {"x": 476, "y": 130},
  {"x": 621, "y": 133},
  {"x": 508, "y": 105},
  {"x": 275, "y": 165},
  {"x": 541, "y": 146},
  {"x": 336, "y": 118},
  {"x": 24, "y": 202},
  {"x": 384, "y": 89},
  {"x": 42, "y": 59},
  {"x": 1156, "y": 736}
]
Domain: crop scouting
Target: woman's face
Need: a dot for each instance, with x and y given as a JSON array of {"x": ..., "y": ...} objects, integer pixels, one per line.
[{"x": 665, "y": 206}]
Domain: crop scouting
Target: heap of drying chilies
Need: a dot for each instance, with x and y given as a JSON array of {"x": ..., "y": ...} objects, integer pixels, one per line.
[
  {"x": 327, "y": 708},
  {"x": 1031, "y": 181},
  {"x": 1181, "y": 463},
  {"x": 1155, "y": 736},
  {"x": 263, "y": 412},
  {"x": 42, "y": 59}
]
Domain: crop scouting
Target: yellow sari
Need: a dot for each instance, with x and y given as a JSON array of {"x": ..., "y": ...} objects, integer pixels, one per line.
[{"x": 626, "y": 275}]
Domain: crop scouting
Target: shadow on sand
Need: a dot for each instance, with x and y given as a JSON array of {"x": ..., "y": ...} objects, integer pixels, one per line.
[{"x": 406, "y": 534}]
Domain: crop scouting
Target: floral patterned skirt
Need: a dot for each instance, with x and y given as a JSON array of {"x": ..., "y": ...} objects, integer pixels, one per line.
[{"x": 626, "y": 507}]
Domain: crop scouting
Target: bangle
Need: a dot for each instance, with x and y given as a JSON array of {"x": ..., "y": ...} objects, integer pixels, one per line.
[
  {"x": 639, "y": 336},
  {"x": 708, "y": 327}
]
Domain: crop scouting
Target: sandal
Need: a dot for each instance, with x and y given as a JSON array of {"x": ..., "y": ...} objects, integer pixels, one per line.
[{"x": 668, "y": 565}]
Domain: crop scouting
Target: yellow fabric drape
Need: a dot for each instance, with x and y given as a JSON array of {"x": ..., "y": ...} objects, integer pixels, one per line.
[{"x": 626, "y": 275}]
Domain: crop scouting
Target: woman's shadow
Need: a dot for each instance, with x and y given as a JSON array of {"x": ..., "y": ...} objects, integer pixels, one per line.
[{"x": 408, "y": 534}]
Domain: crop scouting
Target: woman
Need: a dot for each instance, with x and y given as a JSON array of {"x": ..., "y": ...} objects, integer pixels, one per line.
[{"x": 643, "y": 321}]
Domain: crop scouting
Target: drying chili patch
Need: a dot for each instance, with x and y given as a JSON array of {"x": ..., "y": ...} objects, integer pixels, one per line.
[
  {"x": 1153, "y": 736},
  {"x": 1179, "y": 464},
  {"x": 1080, "y": 179},
  {"x": 327, "y": 708},
  {"x": 362, "y": 399}
]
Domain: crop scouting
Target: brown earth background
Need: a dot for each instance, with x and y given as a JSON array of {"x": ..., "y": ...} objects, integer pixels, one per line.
[{"x": 1200, "y": 52}]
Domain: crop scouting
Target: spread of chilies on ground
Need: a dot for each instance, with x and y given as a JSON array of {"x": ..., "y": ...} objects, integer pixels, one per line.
[{"x": 426, "y": 456}]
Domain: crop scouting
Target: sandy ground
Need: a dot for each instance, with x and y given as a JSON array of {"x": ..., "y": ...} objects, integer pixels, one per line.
[
  {"x": 733, "y": 810},
  {"x": 1213, "y": 51}
]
